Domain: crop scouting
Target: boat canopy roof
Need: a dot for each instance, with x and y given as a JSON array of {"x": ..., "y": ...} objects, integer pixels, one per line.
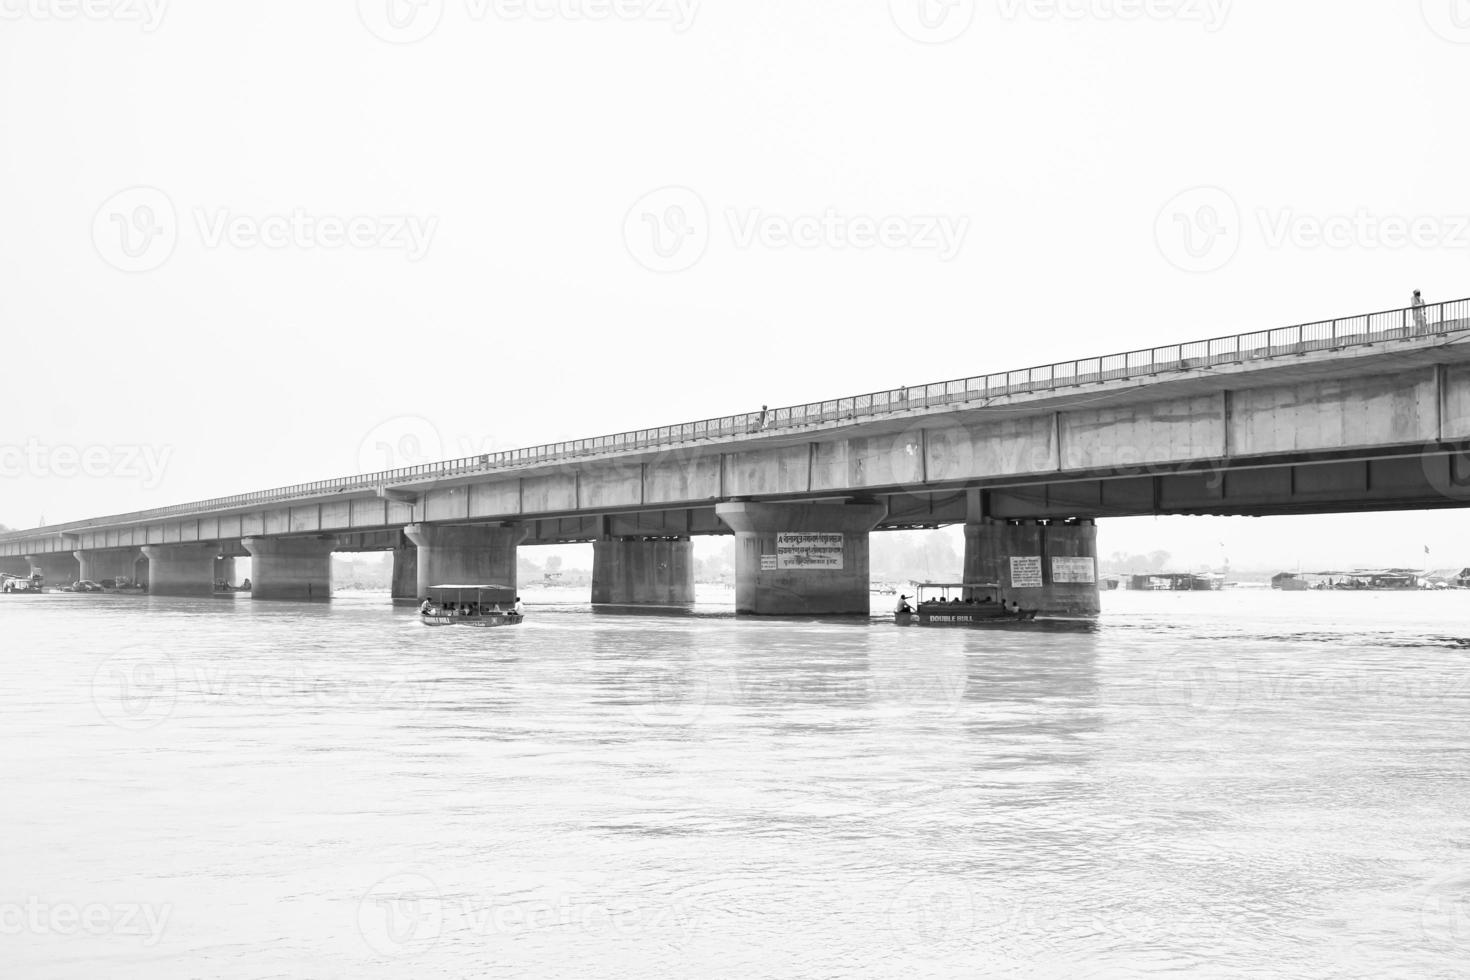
[
  {"x": 471, "y": 588},
  {"x": 957, "y": 585}
]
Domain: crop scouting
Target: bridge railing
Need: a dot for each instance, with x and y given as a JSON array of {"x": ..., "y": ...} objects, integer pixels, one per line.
[{"x": 1365, "y": 329}]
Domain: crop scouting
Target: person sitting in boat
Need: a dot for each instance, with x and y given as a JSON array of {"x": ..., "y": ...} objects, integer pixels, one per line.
[
  {"x": 1015, "y": 608},
  {"x": 519, "y": 608},
  {"x": 427, "y": 608},
  {"x": 495, "y": 610},
  {"x": 903, "y": 605}
]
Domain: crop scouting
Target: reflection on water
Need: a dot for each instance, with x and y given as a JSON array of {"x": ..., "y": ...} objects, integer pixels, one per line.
[{"x": 1229, "y": 784}]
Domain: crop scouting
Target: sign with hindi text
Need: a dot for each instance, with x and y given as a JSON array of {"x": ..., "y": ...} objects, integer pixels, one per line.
[
  {"x": 1026, "y": 573},
  {"x": 1073, "y": 571},
  {"x": 809, "y": 550}
]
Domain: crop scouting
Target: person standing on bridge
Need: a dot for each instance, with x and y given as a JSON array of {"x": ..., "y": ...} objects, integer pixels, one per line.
[{"x": 1421, "y": 322}]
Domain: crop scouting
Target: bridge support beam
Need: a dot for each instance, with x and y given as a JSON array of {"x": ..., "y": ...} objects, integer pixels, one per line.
[
  {"x": 292, "y": 569},
  {"x": 57, "y": 569},
  {"x": 180, "y": 569},
  {"x": 406, "y": 572},
  {"x": 636, "y": 572},
  {"x": 1011, "y": 553},
  {"x": 113, "y": 564},
  {"x": 779, "y": 574},
  {"x": 463, "y": 555}
]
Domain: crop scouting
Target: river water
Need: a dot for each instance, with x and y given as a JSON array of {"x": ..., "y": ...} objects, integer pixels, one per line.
[{"x": 1245, "y": 784}]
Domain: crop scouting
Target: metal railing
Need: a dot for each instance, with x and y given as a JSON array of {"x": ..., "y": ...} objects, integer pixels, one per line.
[{"x": 1437, "y": 319}]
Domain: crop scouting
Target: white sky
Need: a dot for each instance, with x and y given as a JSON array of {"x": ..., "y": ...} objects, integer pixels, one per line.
[{"x": 523, "y": 143}]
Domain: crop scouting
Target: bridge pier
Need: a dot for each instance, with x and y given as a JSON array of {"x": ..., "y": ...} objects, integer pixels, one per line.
[
  {"x": 406, "y": 572},
  {"x": 464, "y": 555},
  {"x": 1023, "y": 557},
  {"x": 117, "y": 563},
  {"x": 180, "y": 569},
  {"x": 224, "y": 570},
  {"x": 58, "y": 569},
  {"x": 801, "y": 559},
  {"x": 294, "y": 569},
  {"x": 638, "y": 572}
]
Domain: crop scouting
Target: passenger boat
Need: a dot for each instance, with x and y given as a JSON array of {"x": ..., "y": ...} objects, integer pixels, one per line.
[
  {"x": 470, "y": 605},
  {"x": 974, "y": 604}
]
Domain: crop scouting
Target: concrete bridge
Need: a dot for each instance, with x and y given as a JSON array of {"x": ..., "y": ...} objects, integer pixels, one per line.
[{"x": 1368, "y": 412}]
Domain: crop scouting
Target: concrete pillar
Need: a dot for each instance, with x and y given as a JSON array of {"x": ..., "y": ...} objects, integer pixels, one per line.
[
  {"x": 406, "y": 572},
  {"x": 113, "y": 564},
  {"x": 1065, "y": 588},
  {"x": 632, "y": 572},
  {"x": 180, "y": 569},
  {"x": 296, "y": 569},
  {"x": 57, "y": 569},
  {"x": 464, "y": 555},
  {"x": 801, "y": 559}
]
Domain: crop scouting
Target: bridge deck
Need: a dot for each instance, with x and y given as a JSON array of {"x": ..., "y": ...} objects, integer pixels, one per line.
[{"x": 1351, "y": 334}]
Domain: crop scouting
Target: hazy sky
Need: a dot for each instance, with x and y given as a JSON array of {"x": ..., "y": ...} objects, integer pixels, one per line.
[{"x": 250, "y": 245}]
